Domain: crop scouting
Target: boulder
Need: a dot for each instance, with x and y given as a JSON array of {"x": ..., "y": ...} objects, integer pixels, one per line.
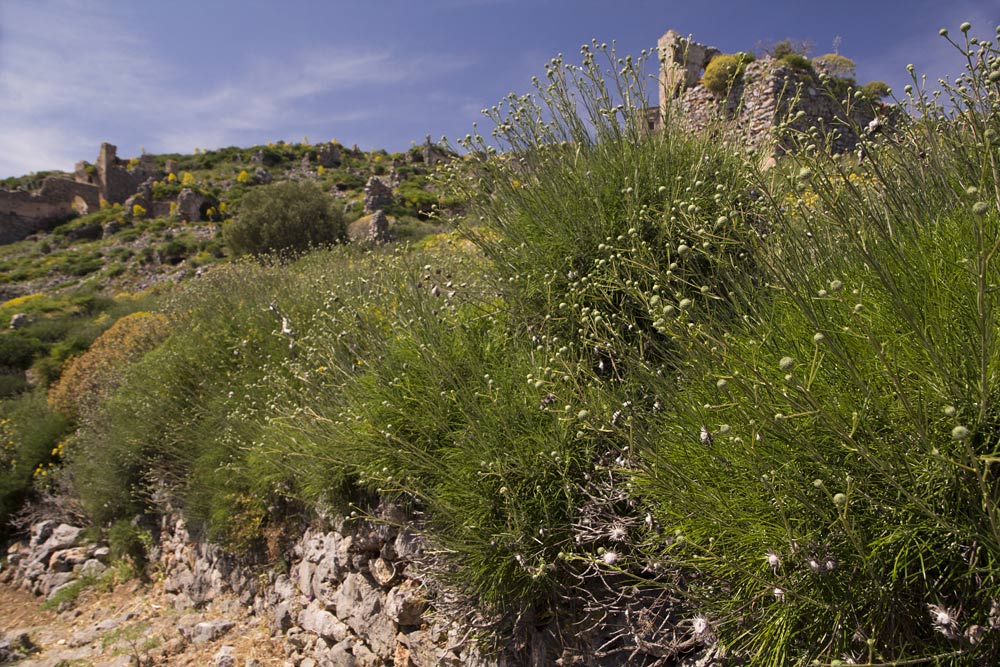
[
  {"x": 226, "y": 657},
  {"x": 207, "y": 631},
  {"x": 359, "y": 605},
  {"x": 189, "y": 205}
]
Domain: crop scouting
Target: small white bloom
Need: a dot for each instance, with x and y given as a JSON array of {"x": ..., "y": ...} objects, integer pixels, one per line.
[
  {"x": 773, "y": 560},
  {"x": 699, "y": 625},
  {"x": 618, "y": 533},
  {"x": 610, "y": 557},
  {"x": 779, "y": 594}
]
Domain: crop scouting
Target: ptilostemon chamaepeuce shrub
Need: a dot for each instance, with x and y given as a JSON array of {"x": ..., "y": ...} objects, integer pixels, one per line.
[
  {"x": 583, "y": 209},
  {"x": 827, "y": 470}
]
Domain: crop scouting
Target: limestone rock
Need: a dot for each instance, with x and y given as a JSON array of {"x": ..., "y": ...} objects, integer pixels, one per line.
[
  {"x": 189, "y": 205},
  {"x": 359, "y": 605},
  {"x": 226, "y": 657},
  {"x": 405, "y": 604},
  {"x": 319, "y": 621},
  {"x": 207, "y": 631},
  {"x": 67, "y": 559}
]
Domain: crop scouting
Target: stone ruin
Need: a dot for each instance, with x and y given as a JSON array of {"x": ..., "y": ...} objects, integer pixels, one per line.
[
  {"x": 767, "y": 93},
  {"x": 24, "y": 213},
  {"x": 110, "y": 179},
  {"x": 116, "y": 179},
  {"x": 378, "y": 195}
]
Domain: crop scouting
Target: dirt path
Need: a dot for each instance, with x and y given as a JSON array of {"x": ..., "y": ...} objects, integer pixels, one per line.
[{"x": 134, "y": 624}]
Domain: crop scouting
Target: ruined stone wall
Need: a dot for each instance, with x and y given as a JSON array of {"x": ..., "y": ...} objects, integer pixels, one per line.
[
  {"x": 25, "y": 213},
  {"x": 117, "y": 182},
  {"x": 767, "y": 93}
]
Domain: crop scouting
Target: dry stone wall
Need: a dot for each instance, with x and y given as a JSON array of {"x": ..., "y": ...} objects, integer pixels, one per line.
[{"x": 347, "y": 597}]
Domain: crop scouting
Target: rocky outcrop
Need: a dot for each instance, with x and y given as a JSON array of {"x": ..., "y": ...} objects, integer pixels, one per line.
[
  {"x": 348, "y": 595},
  {"x": 52, "y": 558},
  {"x": 189, "y": 205}
]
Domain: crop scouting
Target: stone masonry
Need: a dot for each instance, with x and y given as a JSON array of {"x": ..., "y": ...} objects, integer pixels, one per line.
[
  {"x": 767, "y": 93},
  {"x": 25, "y": 213}
]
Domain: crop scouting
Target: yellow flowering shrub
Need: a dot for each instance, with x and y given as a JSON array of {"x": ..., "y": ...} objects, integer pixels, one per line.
[
  {"x": 94, "y": 375},
  {"x": 244, "y": 177},
  {"x": 187, "y": 178}
]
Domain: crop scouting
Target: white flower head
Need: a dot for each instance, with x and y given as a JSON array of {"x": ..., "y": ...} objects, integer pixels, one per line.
[
  {"x": 773, "y": 560},
  {"x": 699, "y": 625},
  {"x": 945, "y": 620},
  {"x": 610, "y": 557}
]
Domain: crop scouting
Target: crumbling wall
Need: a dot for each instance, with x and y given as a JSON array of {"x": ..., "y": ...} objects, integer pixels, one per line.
[
  {"x": 116, "y": 180},
  {"x": 768, "y": 93},
  {"x": 25, "y": 213}
]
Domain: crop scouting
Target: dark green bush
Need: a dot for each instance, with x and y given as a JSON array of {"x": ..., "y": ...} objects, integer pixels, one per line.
[
  {"x": 29, "y": 439},
  {"x": 12, "y": 385},
  {"x": 129, "y": 543},
  {"x": 284, "y": 217}
]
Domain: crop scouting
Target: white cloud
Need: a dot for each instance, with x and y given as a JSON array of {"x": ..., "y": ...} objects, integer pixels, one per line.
[{"x": 72, "y": 75}]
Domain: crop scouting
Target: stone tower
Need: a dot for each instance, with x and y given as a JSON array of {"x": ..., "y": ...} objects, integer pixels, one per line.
[{"x": 682, "y": 62}]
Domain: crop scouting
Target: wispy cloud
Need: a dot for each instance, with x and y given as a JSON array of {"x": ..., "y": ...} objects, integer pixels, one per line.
[{"x": 73, "y": 75}]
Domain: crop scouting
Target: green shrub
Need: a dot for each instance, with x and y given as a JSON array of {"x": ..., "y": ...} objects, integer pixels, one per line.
[
  {"x": 876, "y": 90},
  {"x": 796, "y": 61},
  {"x": 836, "y": 64},
  {"x": 724, "y": 70},
  {"x": 594, "y": 209},
  {"x": 29, "y": 441},
  {"x": 17, "y": 351},
  {"x": 289, "y": 216},
  {"x": 129, "y": 543},
  {"x": 825, "y": 472},
  {"x": 12, "y": 385}
]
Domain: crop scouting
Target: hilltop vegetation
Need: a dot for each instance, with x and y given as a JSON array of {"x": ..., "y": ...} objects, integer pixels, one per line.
[{"x": 640, "y": 369}]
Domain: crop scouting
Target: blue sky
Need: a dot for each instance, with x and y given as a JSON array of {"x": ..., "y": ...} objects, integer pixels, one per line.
[{"x": 171, "y": 75}]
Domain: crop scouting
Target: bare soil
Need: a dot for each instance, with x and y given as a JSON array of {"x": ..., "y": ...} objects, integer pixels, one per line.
[{"x": 135, "y": 624}]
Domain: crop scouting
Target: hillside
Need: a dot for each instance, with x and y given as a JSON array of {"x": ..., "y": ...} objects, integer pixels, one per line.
[{"x": 659, "y": 397}]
